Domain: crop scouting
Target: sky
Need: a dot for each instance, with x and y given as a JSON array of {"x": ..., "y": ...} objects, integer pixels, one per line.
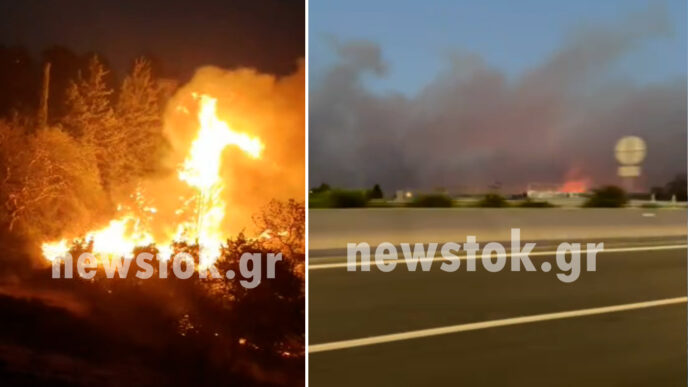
[
  {"x": 268, "y": 34},
  {"x": 469, "y": 95},
  {"x": 416, "y": 39}
]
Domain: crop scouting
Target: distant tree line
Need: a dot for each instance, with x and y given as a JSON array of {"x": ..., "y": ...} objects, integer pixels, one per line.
[
  {"x": 324, "y": 196},
  {"x": 21, "y": 76}
]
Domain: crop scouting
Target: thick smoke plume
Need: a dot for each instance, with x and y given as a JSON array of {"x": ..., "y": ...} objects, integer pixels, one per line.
[
  {"x": 260, "y": 105},
  {"x": 472, "y": 126}
]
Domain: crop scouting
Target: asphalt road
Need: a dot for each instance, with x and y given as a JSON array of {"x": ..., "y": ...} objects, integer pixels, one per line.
[{"x": 635, "y": 347}]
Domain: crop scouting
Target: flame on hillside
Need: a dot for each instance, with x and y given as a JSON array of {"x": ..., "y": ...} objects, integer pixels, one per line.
[{"x": 201, "y": 171}]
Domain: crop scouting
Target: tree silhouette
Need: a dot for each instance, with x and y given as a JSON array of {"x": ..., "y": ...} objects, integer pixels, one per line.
[
  {"x": 376, "y": 192},
  {"x": 139, "y": 108}
]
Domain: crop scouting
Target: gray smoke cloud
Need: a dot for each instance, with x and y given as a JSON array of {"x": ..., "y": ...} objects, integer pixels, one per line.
[{"x": 472, "y": 126}]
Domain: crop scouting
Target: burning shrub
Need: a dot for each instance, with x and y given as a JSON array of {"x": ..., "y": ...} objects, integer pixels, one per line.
[
  {"x": 125, "y": 137},
  {"x": 60, "y": 180},
  {"x": 50, "y": 184},
  {"x": 284, "y": 225},
  {"x": 215, "y": 325},
  {"x": 197, "y": 331},
  {"x": 270, "y": 318}
]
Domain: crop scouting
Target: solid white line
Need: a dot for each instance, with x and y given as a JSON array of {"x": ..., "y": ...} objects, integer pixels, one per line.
[
  {"x": 337, "y": 345},
  {"x": 336, "y": 265}
]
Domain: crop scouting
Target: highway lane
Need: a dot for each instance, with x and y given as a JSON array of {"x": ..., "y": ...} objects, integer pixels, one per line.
[{"x": 630, "y": 347}]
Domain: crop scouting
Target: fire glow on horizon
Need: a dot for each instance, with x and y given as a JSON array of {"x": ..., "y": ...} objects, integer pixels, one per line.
[{"x": 576, "y": 186}]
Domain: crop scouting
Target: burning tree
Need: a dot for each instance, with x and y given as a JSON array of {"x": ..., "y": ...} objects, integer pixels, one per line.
[
  {"x": 75, "y": 184},
  {"x": 140, "y": 107},
  {"x": 284, "y": 225},
  {"x": 49, "y": 182},
  {"x": 127, "y": 136}
]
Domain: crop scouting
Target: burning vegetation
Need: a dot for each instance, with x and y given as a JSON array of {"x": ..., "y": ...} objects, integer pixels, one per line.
[
  {"x": 200, "y": 170},
  {"x": 214, "y": 169}
]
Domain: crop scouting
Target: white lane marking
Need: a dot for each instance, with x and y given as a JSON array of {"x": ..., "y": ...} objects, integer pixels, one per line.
[
  {"x": 336, "y": 265},
  {"x": 337, "y": 345}
]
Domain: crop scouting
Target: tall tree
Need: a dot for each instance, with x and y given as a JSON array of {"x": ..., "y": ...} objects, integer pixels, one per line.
[
  {"x": 139, "y": 107},
  {"x": 88, "y": 101},
  {"x": 49, "y": 182},
  {"x": 376, "y": 192},
  {"x": 91, "y": 118}
]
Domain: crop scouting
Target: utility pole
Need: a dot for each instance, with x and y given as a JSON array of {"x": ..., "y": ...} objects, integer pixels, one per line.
[{"x": 43, "y": 109}]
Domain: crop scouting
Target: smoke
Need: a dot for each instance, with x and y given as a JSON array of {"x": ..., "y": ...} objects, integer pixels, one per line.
[
  {"x": 472, "y": 126},
  {"x": 260, "y": 105}
]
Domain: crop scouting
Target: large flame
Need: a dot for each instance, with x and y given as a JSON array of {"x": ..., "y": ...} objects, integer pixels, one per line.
[
  {"x": 200, "y": 170},
  {"x": 118, "y": 238}
]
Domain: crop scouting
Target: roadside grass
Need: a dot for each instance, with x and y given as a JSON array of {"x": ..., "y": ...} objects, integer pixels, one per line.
[
  {"x": 431, "y": 201},
  {"x": 529, "y": 203},
  {"x": 338, "y": 198},
  {"x": 492, "y": 201}
]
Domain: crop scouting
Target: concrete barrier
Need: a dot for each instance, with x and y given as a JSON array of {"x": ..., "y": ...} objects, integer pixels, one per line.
[{"x": 333, "y": 229}]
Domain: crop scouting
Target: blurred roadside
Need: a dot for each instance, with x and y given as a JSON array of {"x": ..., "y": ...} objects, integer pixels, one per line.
[{"x": 332, "y": 229}]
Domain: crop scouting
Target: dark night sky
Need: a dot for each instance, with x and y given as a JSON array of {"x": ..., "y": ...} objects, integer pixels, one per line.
[{"x": 266, "y": 34}]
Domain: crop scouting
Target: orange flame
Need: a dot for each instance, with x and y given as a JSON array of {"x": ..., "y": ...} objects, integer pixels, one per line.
[
  {"x": 200, "y": 170},
  {"x": 575, "y": 186}
]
